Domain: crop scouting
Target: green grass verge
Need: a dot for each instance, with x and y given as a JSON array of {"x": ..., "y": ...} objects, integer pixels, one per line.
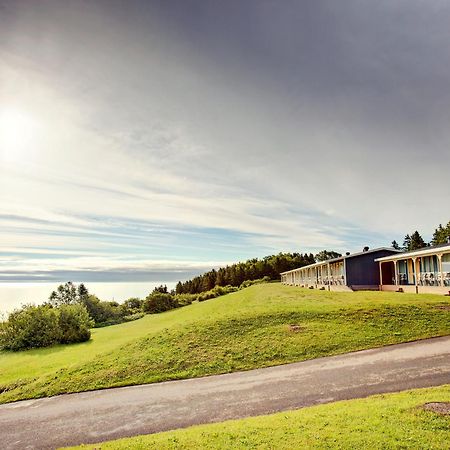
[
  {"x": 392, "y": 421},
  {"x": 243, "y": 330}
]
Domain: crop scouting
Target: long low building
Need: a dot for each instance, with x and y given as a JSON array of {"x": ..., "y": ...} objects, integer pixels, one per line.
[
  {"x": 355, "y": 271},
  {"x": 422, "y": 271}
]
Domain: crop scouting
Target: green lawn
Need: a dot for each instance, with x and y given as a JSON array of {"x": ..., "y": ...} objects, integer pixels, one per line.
[
  {"x": 243, "y": 330},
  {"x": 392, "y": 421}
]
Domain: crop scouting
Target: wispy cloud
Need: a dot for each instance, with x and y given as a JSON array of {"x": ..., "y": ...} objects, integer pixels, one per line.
[{"x": 205, "y": 134}]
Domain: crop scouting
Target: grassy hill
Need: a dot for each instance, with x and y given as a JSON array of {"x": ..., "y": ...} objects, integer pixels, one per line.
[
  {"x": 244, "y": 330},
  {"x": 393, "y": 421}
]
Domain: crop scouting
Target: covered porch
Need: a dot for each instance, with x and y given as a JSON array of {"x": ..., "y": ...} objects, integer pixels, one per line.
[
  {"x": 328, "y": 274},
  {"x": 421, "y": 271}
]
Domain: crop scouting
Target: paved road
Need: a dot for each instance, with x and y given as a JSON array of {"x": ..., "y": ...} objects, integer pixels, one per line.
[{"x": 100, "y": 415}]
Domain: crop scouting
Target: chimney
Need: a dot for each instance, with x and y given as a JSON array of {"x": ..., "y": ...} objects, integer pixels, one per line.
[{"x": 366, "y": 249}]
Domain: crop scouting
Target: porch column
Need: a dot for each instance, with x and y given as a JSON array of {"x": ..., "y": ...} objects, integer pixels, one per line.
[
  {"x": 381, "y": 275},
  {"x": 328, "y": 276},
  {"x": 395, "y": 272},
  {"x": 344, "y": 268},
  {"x": 439, "y": 257},
  {"x": 417, "y": 270}
]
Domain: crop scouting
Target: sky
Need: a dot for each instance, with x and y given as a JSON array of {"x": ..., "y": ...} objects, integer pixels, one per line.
[{"x": 152, "y": 140}]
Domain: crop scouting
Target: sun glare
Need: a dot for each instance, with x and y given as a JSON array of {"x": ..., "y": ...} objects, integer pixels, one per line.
[{"x": 17, "y": 130}]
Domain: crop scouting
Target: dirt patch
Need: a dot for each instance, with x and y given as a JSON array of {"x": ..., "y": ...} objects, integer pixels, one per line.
[
  {"x": 295, "y": 328},
  {"x": 442, "y": 408},
  {"x": 443, "y": 307}
]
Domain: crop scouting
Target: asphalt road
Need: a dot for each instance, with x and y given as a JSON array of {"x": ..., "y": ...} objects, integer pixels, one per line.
[{"x": 108, "y": 414}]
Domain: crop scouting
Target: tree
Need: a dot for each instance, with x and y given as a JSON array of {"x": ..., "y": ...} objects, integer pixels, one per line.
[
  {"x": 325, "y": 255},
  {"x": 68, "y": 294},
  {"x": 65, "y": 294},
  {"x": 179, "y": 288},
  {"x": 161, "y": 289},
  {"x": 441, "y": 234},
  {"x": 416, "y": 241},
  {"x": 82, "y": 292},
  {"x": 407, "y": 243},
  {"x": 395, "y": 245}
]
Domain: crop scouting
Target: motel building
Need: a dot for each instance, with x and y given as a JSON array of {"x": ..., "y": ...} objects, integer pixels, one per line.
[
  {"x": 422, "y": 271},
  {"x": 350, "y": 272},
  {"x": 383, "y": 269}
]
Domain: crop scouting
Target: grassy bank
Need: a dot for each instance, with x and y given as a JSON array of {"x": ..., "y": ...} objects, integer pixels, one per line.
[
  {"x": 244, "y": 330},
  {"x": 393, "y": 421}
]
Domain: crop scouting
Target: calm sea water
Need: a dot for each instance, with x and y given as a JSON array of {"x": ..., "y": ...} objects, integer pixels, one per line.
[{"x": 13, "y": 295}]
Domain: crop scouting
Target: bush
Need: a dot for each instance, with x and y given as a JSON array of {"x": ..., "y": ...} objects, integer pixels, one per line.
[
  {"x": 185, "y": 299},
  {"x": 158, "y": 302},
  {"x": 249, "y": 283},
  {"x": 134, "y": 316},
  {"x": 42, "y": 326},
  {"x": 30, "y": 327},
  {"x": 103, "y": 313},
  {"x": 74, "y": 324},
  {"x": 132, "y": 305}
]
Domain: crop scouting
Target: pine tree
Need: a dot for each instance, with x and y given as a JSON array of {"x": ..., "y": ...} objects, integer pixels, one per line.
[
  {"x": 395, "y": 245},
  {"x": 407, "y": 243},
  {"x": 416, "y": 241},
  {"x": 441, "y": 234}
]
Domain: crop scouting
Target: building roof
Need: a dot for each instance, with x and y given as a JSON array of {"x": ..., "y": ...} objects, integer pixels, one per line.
[
  {"x": 416, "y": 253},
  {"x": 341, "y": 258}
]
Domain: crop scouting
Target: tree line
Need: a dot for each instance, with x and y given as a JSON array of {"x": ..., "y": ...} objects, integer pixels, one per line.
[
  {"x": 415, "y": 241},
  {"x": 252, "y": 269}
]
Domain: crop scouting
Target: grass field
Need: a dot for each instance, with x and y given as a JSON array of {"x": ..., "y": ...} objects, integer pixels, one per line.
[
  {"x": 243, "y": 330},
  {"x": 392, "y": 421}
]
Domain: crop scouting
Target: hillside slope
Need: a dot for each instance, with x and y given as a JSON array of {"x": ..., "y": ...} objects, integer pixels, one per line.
[{"x": 259, "y": 326}]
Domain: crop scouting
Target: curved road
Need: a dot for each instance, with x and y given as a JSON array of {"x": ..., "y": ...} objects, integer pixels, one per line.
[{"x": 101, "y": 415}]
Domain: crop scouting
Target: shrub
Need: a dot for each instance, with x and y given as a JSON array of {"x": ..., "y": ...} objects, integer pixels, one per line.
[
  {"x": 134, "y": 316},
  {"x": 42, "y": 326},
  {"x": 103, "y": 312},
  {"x": 249, "y": 283},
  {"x": 30, "y": 327},
  {"x": 74, "y": 324},
  {"x": 132, "y": 305},
  {"x": 158, "y": 302},
  {"x": 185, "y": 299}
]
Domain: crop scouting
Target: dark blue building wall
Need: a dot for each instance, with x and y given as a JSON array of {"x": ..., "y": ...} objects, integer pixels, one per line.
[{"x": 363, "y": 270}]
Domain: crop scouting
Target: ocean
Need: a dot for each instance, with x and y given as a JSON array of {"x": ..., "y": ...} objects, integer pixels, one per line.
[{"x": 12, "y": 295}]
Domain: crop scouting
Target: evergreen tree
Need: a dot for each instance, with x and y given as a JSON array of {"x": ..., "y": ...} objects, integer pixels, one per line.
[
  {"x": 416, "y": 241},
  {"x": 83, "y": 293},
  {"x": 441, "y": 234},
  {"x": 407, "y": 243},
  {"x": 395, "y": 245}
]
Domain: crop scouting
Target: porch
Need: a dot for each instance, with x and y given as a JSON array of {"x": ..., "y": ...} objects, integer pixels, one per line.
[{"x": 422, "y": 271}]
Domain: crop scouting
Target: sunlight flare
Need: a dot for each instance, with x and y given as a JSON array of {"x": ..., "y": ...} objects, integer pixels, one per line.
[{"x": 18, "y": 132}]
